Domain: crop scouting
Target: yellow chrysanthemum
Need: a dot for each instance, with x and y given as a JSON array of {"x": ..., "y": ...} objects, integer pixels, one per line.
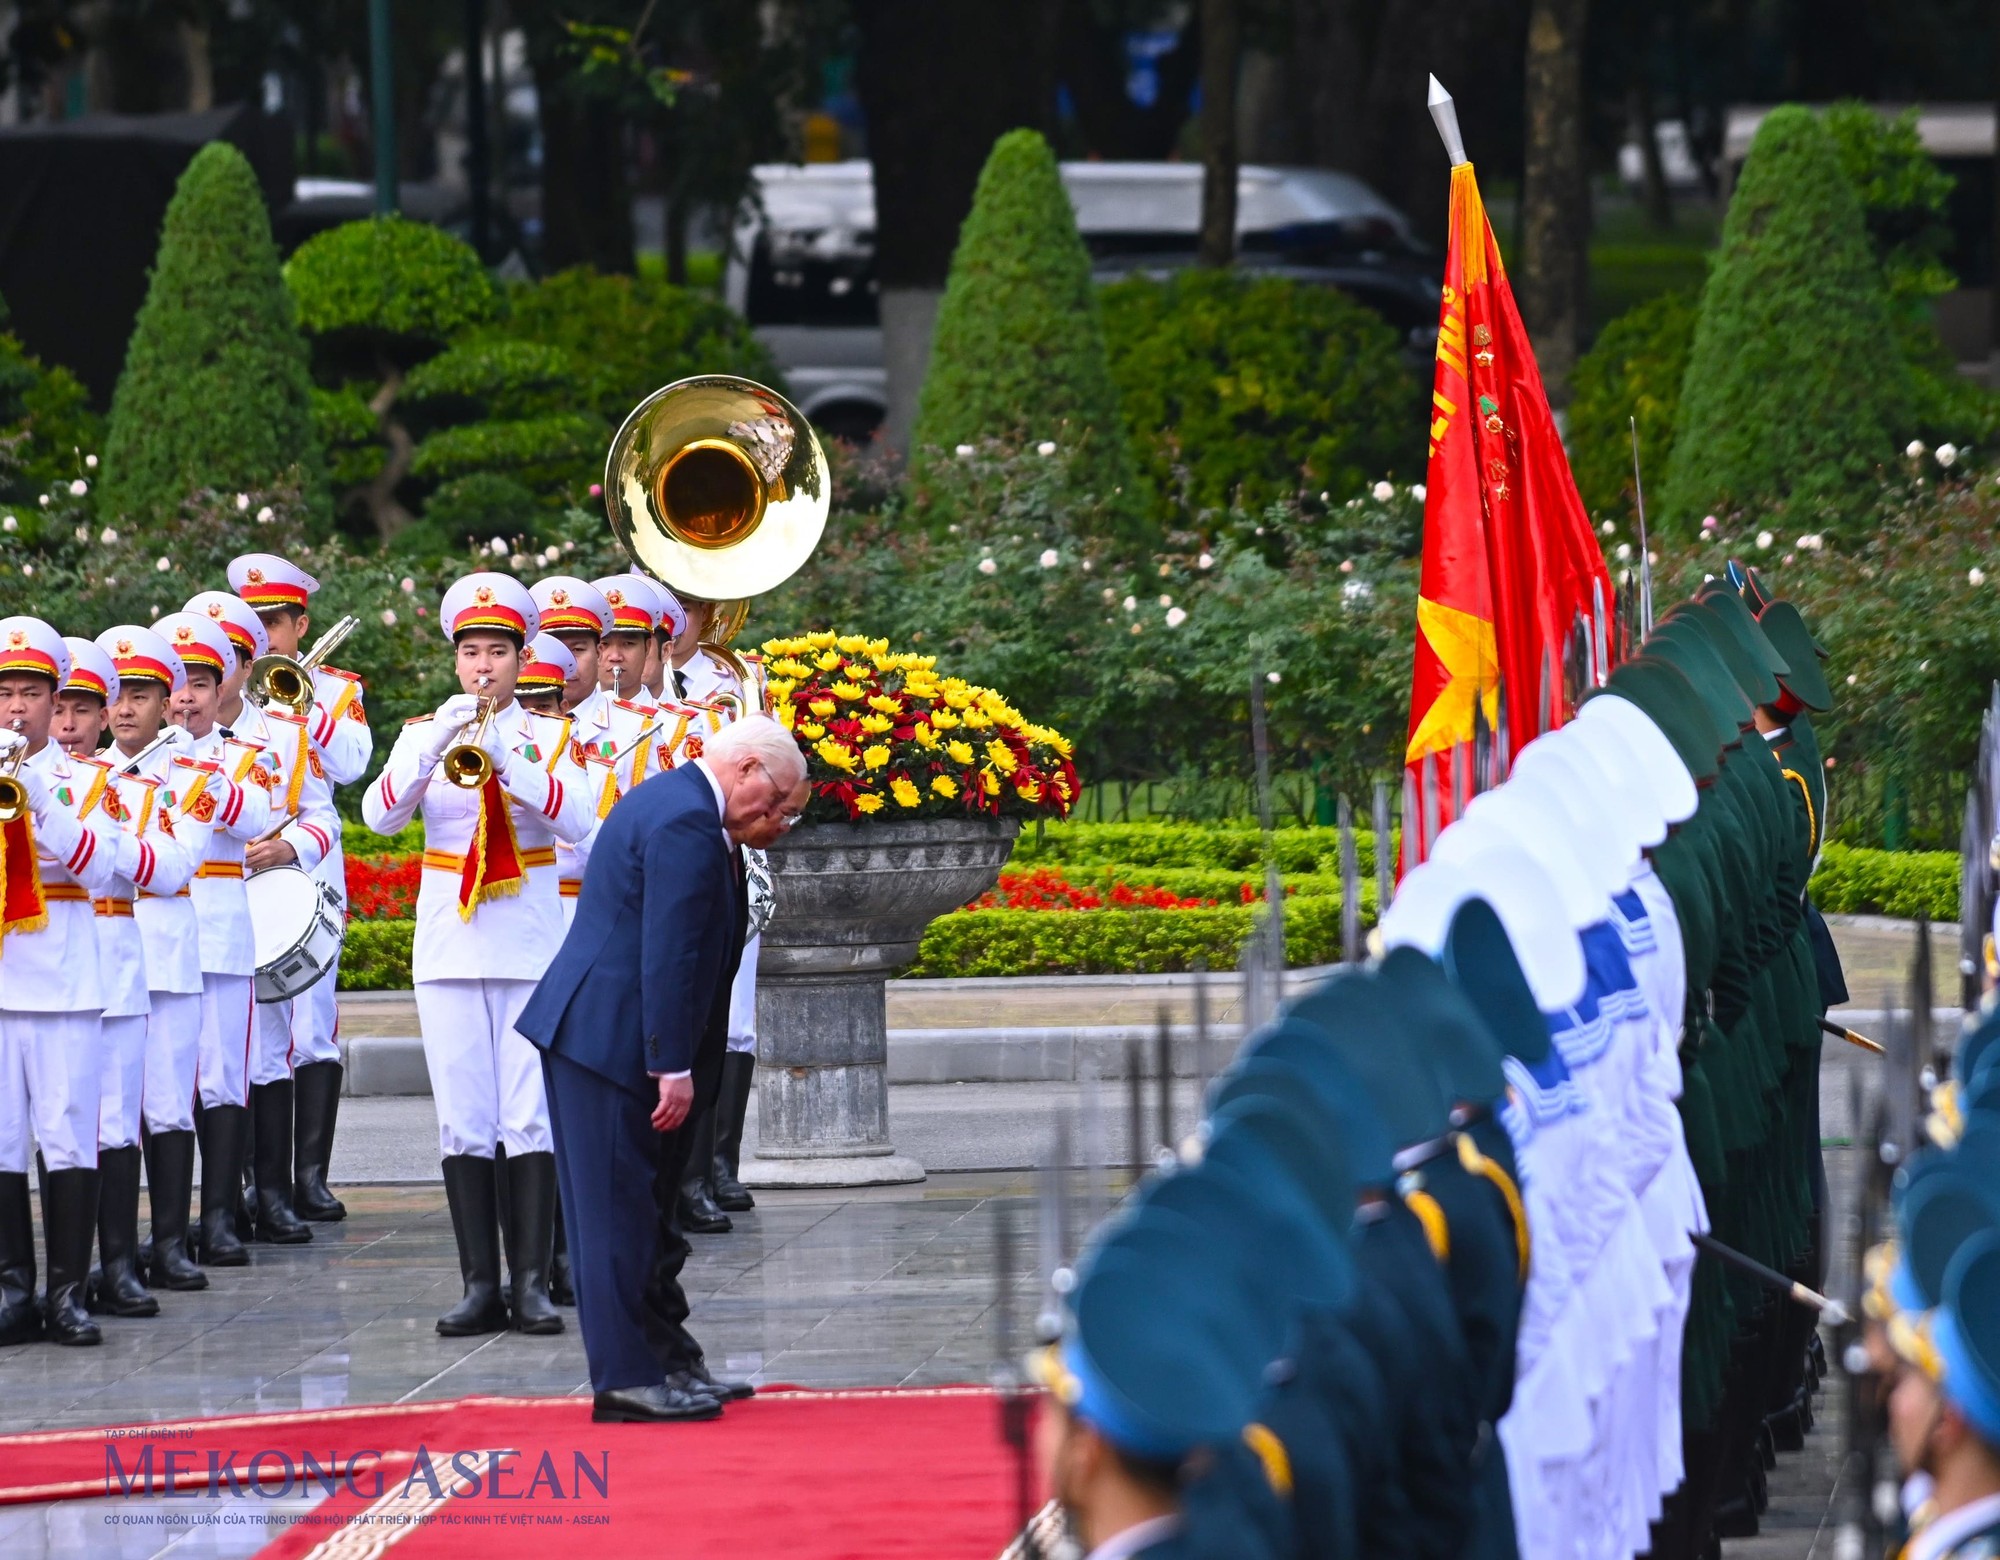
[
  {"x": 786, "y": 714},
  {"x": 841, "y": 757},
  {"x": 961, "y": 752},
  {"x": 979, "y": 720},
  {"x": 780, "y": 687},
  {"x": 1029, "y": 791},
  {"x": 943, "y": 785},
  {"x": 823, "y": 640},
  {"x": 875, "y": 725},
  {"x": 989, "y": 782},
  {"x": 1057, "y": 741},
  {"x": 828, "y": 660},
  {"x": 822, "y": 707},
  {"x": 846, "y": 690},
  {"x": 851, "y": 644},
  {"x": 877, "y": 647},
  {"x": 882, "y": 702},
  {"x": 959, "y": 698},
  {"x": 868, "y": 802},
  {"x": 906, "y": 794},
  {"x": 1002, "y": 757},
  {"x": 924, "y": 735},
  {"x": 1061, "y": 786},
  {"x": 791, "y": 666},
  {"x": 875, "y": 757},
  {"x": 812, "y": 731},
  {"x": 944, "y": 720}
]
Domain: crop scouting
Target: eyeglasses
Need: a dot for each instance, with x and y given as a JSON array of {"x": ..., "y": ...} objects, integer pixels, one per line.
[{"x": 786, "y": 820}]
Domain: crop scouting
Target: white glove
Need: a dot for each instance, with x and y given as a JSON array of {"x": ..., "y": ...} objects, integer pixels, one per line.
[
  {"x": 496, "y": 747},
  {"x": 11, "y": 743},
  {"x": 125, "y": 853},
  {"x": 175, "y": 738},
  {"x": 449, "y": 729},
  {"x": 36, "y": 784}
]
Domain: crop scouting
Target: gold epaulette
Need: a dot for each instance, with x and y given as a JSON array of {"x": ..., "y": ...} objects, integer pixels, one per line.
[
  {"x": 644, "y": 711},
  {"x": 334, "y": 671},
  {"x": 418, "y": 720}
]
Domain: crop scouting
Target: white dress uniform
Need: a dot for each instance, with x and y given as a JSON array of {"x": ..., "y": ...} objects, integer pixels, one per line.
[
  {"x": 478, "y": 953},
  {"x": 342, "y": 742},
  {"x": 639, "y": 606},
  {"x": 704, "y": 676}
]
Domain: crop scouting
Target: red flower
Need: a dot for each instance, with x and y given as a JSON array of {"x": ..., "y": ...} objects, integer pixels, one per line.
[{"x": 382, "y": 888}]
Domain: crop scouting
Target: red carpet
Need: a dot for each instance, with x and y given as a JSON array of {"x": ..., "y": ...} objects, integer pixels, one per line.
[{"x": 803, "y": 1475}]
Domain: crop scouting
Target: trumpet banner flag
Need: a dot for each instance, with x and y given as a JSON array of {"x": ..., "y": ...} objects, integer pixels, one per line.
[{"x": 1509, "y": 559}]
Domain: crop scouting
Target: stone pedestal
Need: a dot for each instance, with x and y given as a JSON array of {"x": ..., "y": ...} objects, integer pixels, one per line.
[{"x": 852, "y": 904}]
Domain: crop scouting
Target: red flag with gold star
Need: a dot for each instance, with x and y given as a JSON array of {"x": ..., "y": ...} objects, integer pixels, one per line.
[{"x": 1509, "y": 556}]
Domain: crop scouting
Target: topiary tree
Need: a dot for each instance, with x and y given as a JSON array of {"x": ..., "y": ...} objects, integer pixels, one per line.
[
  {"x": 378, "y": 297},
  {"x": 1634, "y": 370},
  {"x": 1789, "y": 397},
  {"x": 1247, "y": 390},
  {"x": 216, "y": 389},
  {"x": 1018, "y": 354}
]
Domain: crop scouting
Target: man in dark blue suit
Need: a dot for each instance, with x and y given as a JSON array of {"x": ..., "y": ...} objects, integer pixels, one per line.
[{"x": 630, "y": 1019}]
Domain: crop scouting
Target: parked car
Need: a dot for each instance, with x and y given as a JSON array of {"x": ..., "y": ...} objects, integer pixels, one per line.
[{"x": 802, "y": 260}]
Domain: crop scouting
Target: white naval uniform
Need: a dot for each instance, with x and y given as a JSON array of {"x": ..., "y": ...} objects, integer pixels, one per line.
[
  {"x": 473, "y": 975},
  {"x": 169, "y": 931},
  {"x": 704, "y": 677},
  {"x": 222, "y": 911},
  {"x": 340, "y": 735},
  {"x": 51, "y": 994},
  {"x": 615, "y": 741},
  {"x": 169, "y": 852},
  {"x": 299, "y": 789}
]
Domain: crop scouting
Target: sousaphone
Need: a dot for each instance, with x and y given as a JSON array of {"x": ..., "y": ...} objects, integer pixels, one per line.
[{"x": 718, "y": 487}]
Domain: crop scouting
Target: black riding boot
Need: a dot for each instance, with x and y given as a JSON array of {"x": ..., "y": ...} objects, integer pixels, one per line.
[
  {"x": 119, "y": 1291},
  {"x": 698, "y": 1211},
  {"x": 20, "y": 1317},
  {"x": 562, "y": 1288},
  {"x": 170, "y": 1181},
  {"x": 739, "y": 1070},
  {"x": 222, "y": 1128},
  {"x": 271, "y": 1113},
  {"x": 529, "y": 1231},
  {"x": 470, "y": 1190},
  {"x": 69, "y": 1220},
  {"x": 316, "y": 1087}
]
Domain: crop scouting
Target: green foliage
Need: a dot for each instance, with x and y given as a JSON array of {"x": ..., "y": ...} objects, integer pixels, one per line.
[
  {"x": 376, "y": 956},
  {"x": 481, "y": 505},
  {"x": 492, "y": 378},
  {"x": 1634, "y": 370},
  {"x": 388, "y": 285},
  {"x": 1790, "y": 400},
  {"x": 554, "y": 455},
  {"x": 1250, "y": 389},
  {"x": 1018, "y": 355},
  {"x": 1113, "y": 942},
  {"x": 349, "y": 434},
  {"x": 1906, "y": 884},
  {"x": 1904, "y": 195},
  {"x": 45, "y": 416},
  {"x": 215, "y": 391},
  {"x": 1145, "y": 847},
  {"x": 625, "y": 338}
]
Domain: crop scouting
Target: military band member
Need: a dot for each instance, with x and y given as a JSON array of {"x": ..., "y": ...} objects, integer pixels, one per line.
[
  {"x": 545, "y": 671},
  {"x": 167, "y": 859},
  {"x": 304, "y": 830},
  {"x": 55, "y": 863},
  {"x": 241, "y": 810},
  {"x": 281, "y": 593},
  {"x": 150, "y": 675},
  {"x": 639, "y": 608},
  {"x": 488, "y": 920}
]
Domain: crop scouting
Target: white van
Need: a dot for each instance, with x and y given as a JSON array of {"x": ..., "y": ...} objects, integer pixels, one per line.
[{"x": 802, "y": 261}]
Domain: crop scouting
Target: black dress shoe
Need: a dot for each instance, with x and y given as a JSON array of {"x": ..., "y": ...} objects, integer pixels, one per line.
[
  {"x": 731, "y": 1195},
  {"x": 699, "y": 1214},
  {"x": 663, "y": 1404},
  {"x": 727, "y": 1391}
]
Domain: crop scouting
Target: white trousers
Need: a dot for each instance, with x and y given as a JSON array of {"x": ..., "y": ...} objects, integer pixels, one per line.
[
  {"x": 486, "y": 1081},
  {"x": 173, "y": 1042},
  {"x": 271, "y": 1052},
  {"x": 316, "y": 1020},
  {"x": 228, "y": 1026},
  {"x": 48, "y": 1090},
  {"x": 121, "y": 1080},
  {"x": 743, "y": 1001}
]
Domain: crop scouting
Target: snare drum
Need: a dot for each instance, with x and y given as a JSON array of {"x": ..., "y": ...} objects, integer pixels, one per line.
[{"x": 298, "y": 923}]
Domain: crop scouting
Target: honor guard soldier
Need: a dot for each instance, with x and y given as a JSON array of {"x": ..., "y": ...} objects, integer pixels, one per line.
[
  {"x": 281, "y": 594},
  {"x": 53, "y": 863},
  {"x": 545, "y": 671},
  {"x": 150, "y": 677},
  {"x": 304, "y": 830},
  {"x": 167, "y": 859},
  {"x": 227, "y": 781},
  {"x": 497, "y": 788},
  {"x": 639, "y": 607}
]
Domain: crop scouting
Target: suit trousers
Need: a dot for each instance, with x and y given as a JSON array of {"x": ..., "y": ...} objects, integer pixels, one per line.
[
  {"x": 666, "y": 1310},
  {"x": 173, "y": 1038},
  {"x": 48, "y": 1090},
  {"x": 606, "y": 1153},
  {"x": 121, "y": 1081},
  {"x": 228, "y": 1026}
]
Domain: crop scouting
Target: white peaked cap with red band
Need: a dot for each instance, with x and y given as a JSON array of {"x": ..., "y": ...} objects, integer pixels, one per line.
[
  {"x": 140, "y": 653},
  {"x": 633, "y": 596},
  {"x": 497, "y": 602},
  {"x": 548, "y": 667},
  {"x": 27, "y": 644},
  {"x": 199, "y": 641},
  {"x": 571, "y": 604},
  {"x": 91, "y": 670},
  {"x": 265, "y": 581},
  {"x": 236, "y": 618}
]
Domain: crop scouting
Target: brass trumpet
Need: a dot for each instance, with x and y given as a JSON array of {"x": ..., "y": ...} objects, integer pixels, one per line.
[
  {"x": 465, "y": 764},
  {"x": 13, "y": 794},
  {"x": 287, "y": 683}
]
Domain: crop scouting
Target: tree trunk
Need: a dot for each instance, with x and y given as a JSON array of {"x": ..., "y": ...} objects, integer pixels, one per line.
[
  {"x": 1658, "y": 199},
  {"x": 1221, "y": 55},
  {"x": 1555, "y": 191},
  {"x": 1330, "y": 55},
  {"x": 939, "y": 85},
  {"x": 378, "y": 497},
  {"x": 586, "y": 200}
]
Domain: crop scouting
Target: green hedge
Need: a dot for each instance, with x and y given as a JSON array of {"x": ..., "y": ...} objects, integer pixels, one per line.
[
  {"x": 1217, "y": 883},
  {"x": 377, "y": 956},
  {"x": 1236, "y": 847},
  {"x": 1905, "y": 883},
  {"x": 1115, "y": 942}
]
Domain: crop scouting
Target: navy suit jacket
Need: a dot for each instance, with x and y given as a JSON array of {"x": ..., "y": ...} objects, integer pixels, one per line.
[{"x": 656, "y": 940}]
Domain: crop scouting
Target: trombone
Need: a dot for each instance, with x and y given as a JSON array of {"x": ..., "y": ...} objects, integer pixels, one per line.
[
  {"x": 465, "y": 764},
  {"x": 13, "y": 794},
  {"x": 287, "y": 683}
]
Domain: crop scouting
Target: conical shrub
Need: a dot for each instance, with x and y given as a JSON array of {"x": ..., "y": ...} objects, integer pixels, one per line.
[
  {"x": 1796, "y": 390},
  {"x": 216, "y": 389},
  {"x": 1018, "y": 353}
]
